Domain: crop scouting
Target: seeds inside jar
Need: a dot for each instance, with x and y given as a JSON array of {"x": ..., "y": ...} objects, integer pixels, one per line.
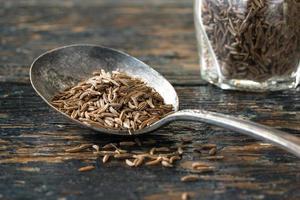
[
  {"x": 253, "y": 40},
  {"x": 113, "y": 101}
]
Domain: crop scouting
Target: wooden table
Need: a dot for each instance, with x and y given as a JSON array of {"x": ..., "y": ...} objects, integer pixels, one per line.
[{"x": 33, "y": 138}]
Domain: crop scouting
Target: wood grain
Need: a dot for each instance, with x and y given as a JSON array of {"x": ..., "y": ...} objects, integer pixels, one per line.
[
  {"x": 33, "y": 138},
  {"x": 167, "y": 45}
]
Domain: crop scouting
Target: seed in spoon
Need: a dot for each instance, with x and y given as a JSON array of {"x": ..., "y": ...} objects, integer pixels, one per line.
[
  {"x": 139, "y": 161},
  {"x": 113, "y": 101},
  {"x": 166, "y": 164}
]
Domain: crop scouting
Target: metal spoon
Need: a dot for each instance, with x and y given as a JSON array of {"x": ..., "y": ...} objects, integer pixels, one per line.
[{"x": 63, "y": 67}]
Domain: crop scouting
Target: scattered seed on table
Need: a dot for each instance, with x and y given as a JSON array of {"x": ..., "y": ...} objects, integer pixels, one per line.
[
  {"x": 137, "y": 157},
  {"x": 190, "y": 178},
  {"x": 166, "y": 164},
  {"x": 185, "y": 196},
  {"x": 105, "y": 158},
  {"x": 213, "y": 151},
  {"x": 152, "y": 151},
  {"x": 200, "y": 164},
  {"x": 129, "y": 163},
  {"x": 86, "y": 168},
  {"x": 180, "y": 150},
  {"x": 96, "y": 147},
  {"x": 103, "y": 153},
  {"x": 204, "y": 169}
]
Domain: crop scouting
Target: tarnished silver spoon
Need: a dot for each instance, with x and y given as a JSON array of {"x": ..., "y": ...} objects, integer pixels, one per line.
[{"x": 63, "y": 67}]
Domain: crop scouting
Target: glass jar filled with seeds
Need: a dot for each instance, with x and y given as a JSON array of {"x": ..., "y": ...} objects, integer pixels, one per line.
[{"x": 249, "y": 45}]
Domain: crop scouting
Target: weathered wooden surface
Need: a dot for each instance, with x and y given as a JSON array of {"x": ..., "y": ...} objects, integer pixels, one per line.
[{"x": 33, "y": 139}]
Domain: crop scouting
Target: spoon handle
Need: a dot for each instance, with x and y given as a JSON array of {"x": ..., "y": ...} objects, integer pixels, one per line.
[{"x": 286, "y": 141}]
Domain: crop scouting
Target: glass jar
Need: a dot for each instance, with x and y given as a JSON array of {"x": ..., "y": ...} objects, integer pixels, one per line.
[{"x": 251, "y": 45}]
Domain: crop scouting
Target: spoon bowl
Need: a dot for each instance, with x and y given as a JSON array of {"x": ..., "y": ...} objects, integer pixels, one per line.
[{"x": 63, "y": 67}]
